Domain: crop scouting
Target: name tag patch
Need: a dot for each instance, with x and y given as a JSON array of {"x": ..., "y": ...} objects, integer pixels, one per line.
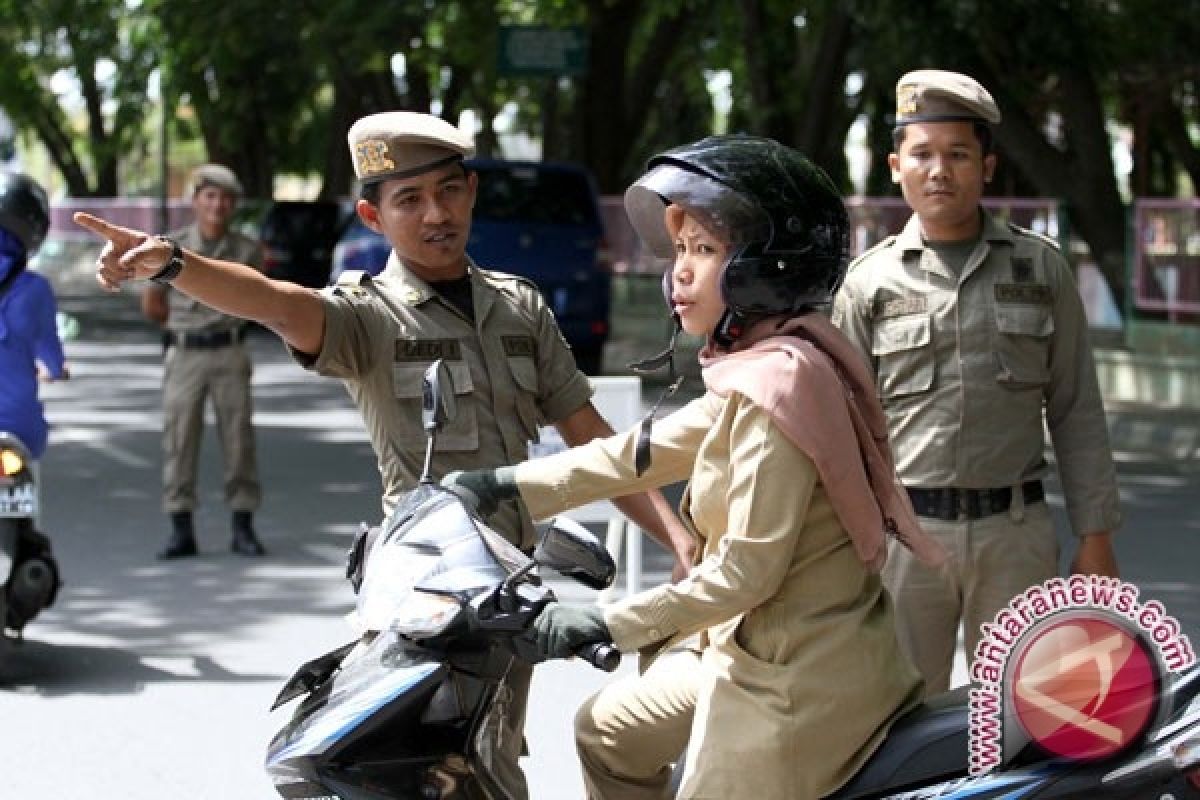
[
  {"x": 518, "y": 345},
  {"x": 890, "y": 307},
  {"x": 1028, "y": 293},
  {"x": 428, "y": 349}
]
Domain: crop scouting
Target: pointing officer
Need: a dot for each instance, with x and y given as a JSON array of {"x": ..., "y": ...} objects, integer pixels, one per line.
[
  {"x": 204, "y": 357},
  {"x": 511, "y": 367},
  {"x": 976, "y": 334}
]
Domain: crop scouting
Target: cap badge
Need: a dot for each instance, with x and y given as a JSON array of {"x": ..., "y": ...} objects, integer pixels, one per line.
[
  {"x": 372, "y": 155},
  {"x": 906, "y": 100}
]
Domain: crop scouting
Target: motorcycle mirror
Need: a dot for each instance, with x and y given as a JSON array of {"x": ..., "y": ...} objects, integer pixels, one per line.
[
  {"x": 570, "y": 549},
  {"x": 438, "y": 406},
  {"x": 438, "y": 401}
]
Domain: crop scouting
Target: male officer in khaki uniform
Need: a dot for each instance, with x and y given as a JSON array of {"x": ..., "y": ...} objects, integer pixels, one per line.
[
  {"x": 511, "y": 366},
  {"x": 976, "y": 332},
  {"x": 204, "y": 357}
]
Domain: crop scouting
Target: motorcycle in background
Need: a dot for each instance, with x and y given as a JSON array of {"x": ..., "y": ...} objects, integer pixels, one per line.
[
  {"x": 29, "y": 579},
  {"x": 413, "y": 707}
]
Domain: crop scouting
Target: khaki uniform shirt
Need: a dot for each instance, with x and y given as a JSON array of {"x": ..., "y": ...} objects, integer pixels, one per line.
[
  {"x": 186, "y": 315},
  {"x": 512, "y": 372},
  {"x": 802, "y": 670},
  {"x": 967, "y": 364}
]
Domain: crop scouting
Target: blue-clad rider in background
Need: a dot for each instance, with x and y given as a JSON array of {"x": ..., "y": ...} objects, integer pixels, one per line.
[{"x": 29, "y": 345}]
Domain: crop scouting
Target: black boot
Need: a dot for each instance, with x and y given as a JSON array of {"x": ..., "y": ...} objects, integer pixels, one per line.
[
  {"x": 245, "y": 543},
  {"x": 182, "y": 541}
]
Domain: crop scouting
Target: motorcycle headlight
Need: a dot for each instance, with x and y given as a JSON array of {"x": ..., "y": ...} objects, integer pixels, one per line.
[
  {"x": 10, "y": 462},
  {"x": 1187, "y": 752},
  {"x": 424, "y": 615}
]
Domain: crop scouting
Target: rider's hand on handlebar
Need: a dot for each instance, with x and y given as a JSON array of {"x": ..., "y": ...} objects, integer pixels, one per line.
[
  {"x": 563, "y": 629},
  {"x": 483, "y": 489}
]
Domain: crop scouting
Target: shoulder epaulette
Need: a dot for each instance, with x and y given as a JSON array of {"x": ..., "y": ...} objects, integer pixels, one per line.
[
  {"x": 497, "y": 277},
  {"x": 1027, "y": 233},
  {"x": 354, "y": 283},
  {"x": 354, "y": 277},
  {"x": 886, "y": 242}
]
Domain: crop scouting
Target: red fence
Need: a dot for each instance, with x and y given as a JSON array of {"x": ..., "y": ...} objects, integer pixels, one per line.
[
  {"x": 1166, "y": 258},
  {"x": 871, "y": 219},
  {"x": 142, "y": 213},
  {"x": 1165, "y": 252}
]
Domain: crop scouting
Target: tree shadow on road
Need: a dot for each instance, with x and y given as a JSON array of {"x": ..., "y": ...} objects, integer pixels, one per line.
[{"x": 56, "y": 670}]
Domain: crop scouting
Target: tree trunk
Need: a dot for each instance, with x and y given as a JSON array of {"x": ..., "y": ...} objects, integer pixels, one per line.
[
  {"x": 767, "y": 106},
  {"x": 1081, "y": 172},
  {"x": 824, "y": 118}
]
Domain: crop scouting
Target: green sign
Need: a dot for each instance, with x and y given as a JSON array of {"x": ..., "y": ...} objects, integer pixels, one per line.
[{"x": 541, "y": 50}]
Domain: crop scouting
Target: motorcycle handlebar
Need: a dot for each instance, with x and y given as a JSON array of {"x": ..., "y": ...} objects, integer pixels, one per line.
[{"x": 600, "y": 655}]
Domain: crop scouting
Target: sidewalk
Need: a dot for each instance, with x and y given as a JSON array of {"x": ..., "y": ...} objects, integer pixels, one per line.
[
  {"x": 1171, "y": 435},
  {"x": 640, "y": 329}
]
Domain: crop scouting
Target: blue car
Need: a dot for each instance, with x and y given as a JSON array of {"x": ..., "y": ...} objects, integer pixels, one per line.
[{"x": 538, "y": 220}]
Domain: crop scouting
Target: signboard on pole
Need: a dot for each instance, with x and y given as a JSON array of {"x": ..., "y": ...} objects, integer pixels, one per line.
[{"x": 539, "y": 50}]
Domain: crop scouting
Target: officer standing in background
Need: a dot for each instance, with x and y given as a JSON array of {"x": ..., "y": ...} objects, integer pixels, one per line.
[
  {"x": 976, "y": 332},
  {"x": 511, "y": 367},
  {"x": 204, "y": 357}
]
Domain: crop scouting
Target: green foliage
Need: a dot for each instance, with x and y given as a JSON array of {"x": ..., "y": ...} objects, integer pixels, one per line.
[
  {"x": 100, "y": 48},
  {"x": 271, "y": 87}
]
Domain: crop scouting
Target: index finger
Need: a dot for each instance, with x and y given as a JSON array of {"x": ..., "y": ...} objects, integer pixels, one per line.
[{"x": 122, "y": 237}]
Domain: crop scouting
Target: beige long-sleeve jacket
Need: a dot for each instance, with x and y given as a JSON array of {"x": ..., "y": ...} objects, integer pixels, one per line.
[{"x": 802, "y": 670}]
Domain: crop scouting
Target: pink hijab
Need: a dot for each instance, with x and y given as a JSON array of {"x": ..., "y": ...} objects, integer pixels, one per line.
[{"x": 817, "y": 389}]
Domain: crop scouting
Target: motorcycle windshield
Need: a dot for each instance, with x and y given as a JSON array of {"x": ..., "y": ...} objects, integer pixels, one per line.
[
  {"x": 431, "y": 542},
  {"x": 370, "y": 678}
]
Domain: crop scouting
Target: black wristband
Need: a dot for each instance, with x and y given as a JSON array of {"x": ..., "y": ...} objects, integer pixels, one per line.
[{"x": 170, "y": 271}]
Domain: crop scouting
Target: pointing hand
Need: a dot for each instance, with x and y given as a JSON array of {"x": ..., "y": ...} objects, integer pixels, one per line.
[{"x": 128, "y": 254}]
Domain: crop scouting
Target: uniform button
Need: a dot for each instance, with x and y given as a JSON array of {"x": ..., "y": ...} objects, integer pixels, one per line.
[{"x": 654, "y": 632}]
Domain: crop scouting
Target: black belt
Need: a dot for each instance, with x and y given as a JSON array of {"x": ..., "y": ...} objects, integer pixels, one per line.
[
  {"x": 952, "y": 504},
  {"x": 204, "y": 340}
]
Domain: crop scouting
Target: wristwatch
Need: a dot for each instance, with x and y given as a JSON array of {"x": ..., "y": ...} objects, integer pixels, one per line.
[{"x": 170, "y": 271}]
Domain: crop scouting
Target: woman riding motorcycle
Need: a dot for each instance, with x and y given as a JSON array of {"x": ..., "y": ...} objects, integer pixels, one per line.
[
  {"x": 792, "y": 496},
  {"x": 29, "y": 345}
]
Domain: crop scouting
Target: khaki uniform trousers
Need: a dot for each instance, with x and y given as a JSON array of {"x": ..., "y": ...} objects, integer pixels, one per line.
[
  {"x": 630, "y": 733},
  {"x": 510, "y": 743},
  {"x": 190, "y": 376},
  {"x": 992, "y": 560}
]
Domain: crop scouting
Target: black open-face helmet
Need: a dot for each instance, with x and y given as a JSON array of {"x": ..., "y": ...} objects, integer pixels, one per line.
[
  {"x": 781, "y": 215},
  {"x": 24, "y": 210}
]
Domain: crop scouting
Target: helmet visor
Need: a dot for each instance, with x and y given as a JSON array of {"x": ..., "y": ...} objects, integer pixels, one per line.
[{"x": 721, "y": 209}]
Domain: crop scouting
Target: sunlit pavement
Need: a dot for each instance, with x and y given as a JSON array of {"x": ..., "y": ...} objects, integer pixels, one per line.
[{"x": 151, "y": 680}]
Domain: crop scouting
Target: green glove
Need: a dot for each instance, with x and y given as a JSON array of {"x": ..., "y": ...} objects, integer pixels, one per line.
[
  {"x": 562, "y": 629},
  {"x": 483, "y": 489}
]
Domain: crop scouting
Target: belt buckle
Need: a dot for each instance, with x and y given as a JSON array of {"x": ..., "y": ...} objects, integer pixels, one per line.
[
  {"x": 948, "y": 504},
  {"x": 964, "y": 503}
]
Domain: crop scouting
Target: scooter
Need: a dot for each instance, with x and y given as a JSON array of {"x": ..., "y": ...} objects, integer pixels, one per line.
[
  {"x": 412, "y": 707},
  {"x": 925, "y": 755},
  {"x": 409, "y": 710},
  {"x": 29, "y": 578}
]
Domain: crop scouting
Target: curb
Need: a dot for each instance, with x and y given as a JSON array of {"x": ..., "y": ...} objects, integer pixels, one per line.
[{"x": 1172, "y": 434}]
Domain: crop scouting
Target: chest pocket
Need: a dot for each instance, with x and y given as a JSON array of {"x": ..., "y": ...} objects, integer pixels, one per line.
[
  {"x": 1022, "y": 349},
  {"x": 903, "y": 350},
  {"x": 525, "y": 378},
  {"x": 463, "y": 431}
]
